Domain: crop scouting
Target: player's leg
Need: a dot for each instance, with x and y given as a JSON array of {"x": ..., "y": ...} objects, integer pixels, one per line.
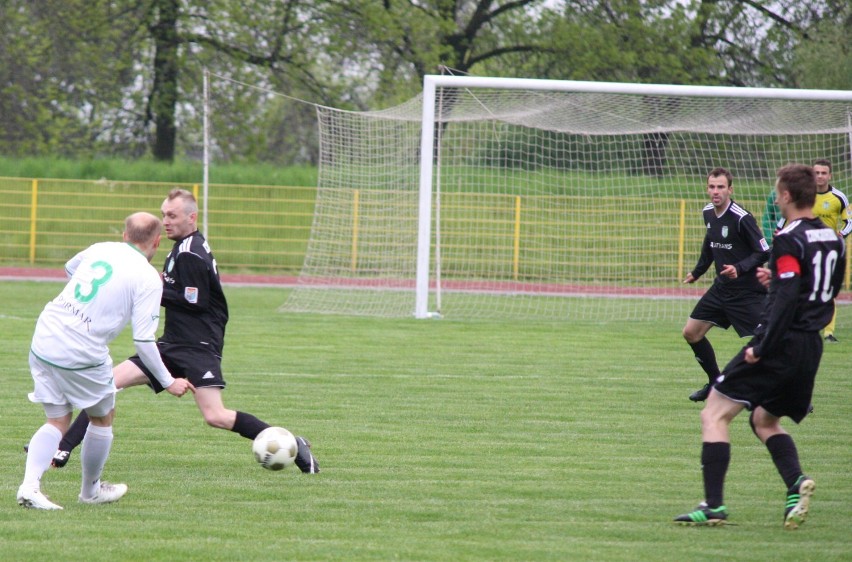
[
  {"x": 780, "y": 444},
  {"x": 47, "y": 392},
  {"x": 126, "y": 374},
  {"x": 715, "y": 458},
  {"x": 39, "y": 454},
  {"x": 695, "y": 334},
  {"x": 829, "y": 329},
  {"x": 785, "y": 456},
  {"x": 716, "y": 417},
  {"x": 97, "y": 444},
  {"x": 209, "y": 401}
]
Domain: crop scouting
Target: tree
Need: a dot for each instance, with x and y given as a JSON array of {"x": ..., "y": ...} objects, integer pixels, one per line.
[
  {"x": 121, "y": 73},
  {"x": 62, "y": 64},
  {"x": 123, "y": 77},
  {"x": 269, "y": 35},
  {"x": 824, "y": 61},
  {"x": 402, "y": 40}
]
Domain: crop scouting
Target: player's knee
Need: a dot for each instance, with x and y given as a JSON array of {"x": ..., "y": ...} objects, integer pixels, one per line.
[
  {"x": 715, "y": 417},
  {"x": 692, "y": 333},
  {"x": 764, "y": 424},
  {"x": 218, "y": 420}
]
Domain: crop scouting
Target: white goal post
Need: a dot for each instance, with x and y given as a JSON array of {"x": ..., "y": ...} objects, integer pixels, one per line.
[{"x": 523, "y": 198}]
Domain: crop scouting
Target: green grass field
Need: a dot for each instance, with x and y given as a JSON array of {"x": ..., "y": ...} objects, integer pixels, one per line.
[{"x": 438, "y": 440}]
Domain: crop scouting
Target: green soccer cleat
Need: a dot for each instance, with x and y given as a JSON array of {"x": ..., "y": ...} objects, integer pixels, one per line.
[
  {"x": 798, "y": 502},
  {"x": 703, "y": 516}
]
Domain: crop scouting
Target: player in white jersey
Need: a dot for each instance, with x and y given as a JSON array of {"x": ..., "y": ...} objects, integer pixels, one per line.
[{"x": 112, "y": 284}]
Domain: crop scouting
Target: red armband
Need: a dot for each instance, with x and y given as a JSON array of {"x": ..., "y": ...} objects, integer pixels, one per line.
[{"x": 787, "y": 266}]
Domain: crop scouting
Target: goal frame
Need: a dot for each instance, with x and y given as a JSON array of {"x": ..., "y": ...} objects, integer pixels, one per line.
[{"x": 431, "y": 83}]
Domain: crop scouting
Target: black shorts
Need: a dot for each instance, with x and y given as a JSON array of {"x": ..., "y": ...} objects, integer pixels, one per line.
[
  {"x": 782, "y": 384},
  {"x": 199, "y": 366},
  {"x": 724, "y": 308}
]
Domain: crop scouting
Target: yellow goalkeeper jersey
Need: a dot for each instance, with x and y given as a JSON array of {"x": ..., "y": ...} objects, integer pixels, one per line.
[{"x": 832, "y": 207}]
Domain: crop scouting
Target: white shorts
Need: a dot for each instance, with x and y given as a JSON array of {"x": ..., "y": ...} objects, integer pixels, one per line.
[{"x": 61, "y": 390}]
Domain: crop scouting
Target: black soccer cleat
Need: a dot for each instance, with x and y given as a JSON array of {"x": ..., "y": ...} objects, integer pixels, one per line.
[
  {"x": 305, "y": 460},
  {"x": 831, "y": 339},
  {"x": 60, "y": 458},
  {"x": 704, "y": 516},
  {"x": 701, "y": 394},
  {"x": 798, "y": 502}
]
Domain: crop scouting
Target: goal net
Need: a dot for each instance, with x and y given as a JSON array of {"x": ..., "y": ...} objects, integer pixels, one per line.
[{"x": 552, "y": 200}]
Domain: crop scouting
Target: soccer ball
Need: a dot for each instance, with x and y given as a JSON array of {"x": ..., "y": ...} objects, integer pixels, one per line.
[{"x": 275, "y": 448}]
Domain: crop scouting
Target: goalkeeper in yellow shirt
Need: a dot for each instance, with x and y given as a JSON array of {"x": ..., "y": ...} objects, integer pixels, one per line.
[{"x": 832, "y": 207}]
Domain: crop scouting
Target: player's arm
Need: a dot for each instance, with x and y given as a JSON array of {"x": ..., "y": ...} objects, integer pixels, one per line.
[
  {"x": 72, "y": 264},
  {"x": 839, "y": 276},
  {"x": 191, "y": 289},
  {"x": 760, "y": 249},
  {"x": 705, "y": 259},
  {"x": 146, "y": 318},
  {"x": 845, "y": 217},
  {"x": 784, "y": 288}
]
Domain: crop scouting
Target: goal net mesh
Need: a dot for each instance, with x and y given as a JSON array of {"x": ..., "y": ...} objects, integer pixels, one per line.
[{"x": 546, "y": 205}]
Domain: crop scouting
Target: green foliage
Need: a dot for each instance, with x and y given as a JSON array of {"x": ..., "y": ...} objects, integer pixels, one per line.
[
  {"x": 623, "y": 41},
  {"x": 64, "y": 67},
  {"x": 182, "y": 171},
  {"x": 825, "y": 59},
  {"x": 88, "y": 79},
  {"x": 482, "y": 441}
]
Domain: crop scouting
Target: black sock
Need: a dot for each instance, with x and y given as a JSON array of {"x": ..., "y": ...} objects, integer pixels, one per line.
[
  {"x": 706, "y": 357},
  {"x": 248, "y": 426},
  {"x": 786, "y": 457},
  {"x": 76, "y": 432},
  {"x": 715, "y": 458}
]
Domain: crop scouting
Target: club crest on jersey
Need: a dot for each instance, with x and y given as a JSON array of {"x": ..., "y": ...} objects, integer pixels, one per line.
[
  {"x": 171, "y": 265},
  {"x": 191, "y": 294},
  {"x": 724, "y": 232}
]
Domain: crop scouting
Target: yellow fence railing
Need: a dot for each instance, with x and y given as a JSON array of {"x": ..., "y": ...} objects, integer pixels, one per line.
[
  {"x": 256, "y": 228},
  {"x": 266, "y": 229}
]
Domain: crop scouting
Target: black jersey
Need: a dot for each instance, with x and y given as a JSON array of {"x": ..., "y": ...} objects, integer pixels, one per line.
[
  {"x": 808, "y": 264},
  {"x": 733, "y": 239},
  {"x": 196, "y": 309}
]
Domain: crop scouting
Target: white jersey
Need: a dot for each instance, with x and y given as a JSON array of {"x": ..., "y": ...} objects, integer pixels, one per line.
[{"x": 112, "y": 284}]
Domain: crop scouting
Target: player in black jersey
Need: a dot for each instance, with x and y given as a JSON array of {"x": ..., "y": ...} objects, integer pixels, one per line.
[
  {"x": 194, "y": 333},
  {"x": 773, "y": 375},
  {"x": 733, "y": 242}
]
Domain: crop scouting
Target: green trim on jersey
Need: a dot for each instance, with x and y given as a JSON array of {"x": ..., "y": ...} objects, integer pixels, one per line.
[{"x": 43, "y": 360}]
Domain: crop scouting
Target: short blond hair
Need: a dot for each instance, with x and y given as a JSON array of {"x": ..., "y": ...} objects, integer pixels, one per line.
[{"x": 190, "y": 205}]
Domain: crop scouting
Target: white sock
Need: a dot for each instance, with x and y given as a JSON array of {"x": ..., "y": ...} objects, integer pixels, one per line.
[
  {"x": 42, "y": 446},
  {"x": 93, "y": 457}
]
